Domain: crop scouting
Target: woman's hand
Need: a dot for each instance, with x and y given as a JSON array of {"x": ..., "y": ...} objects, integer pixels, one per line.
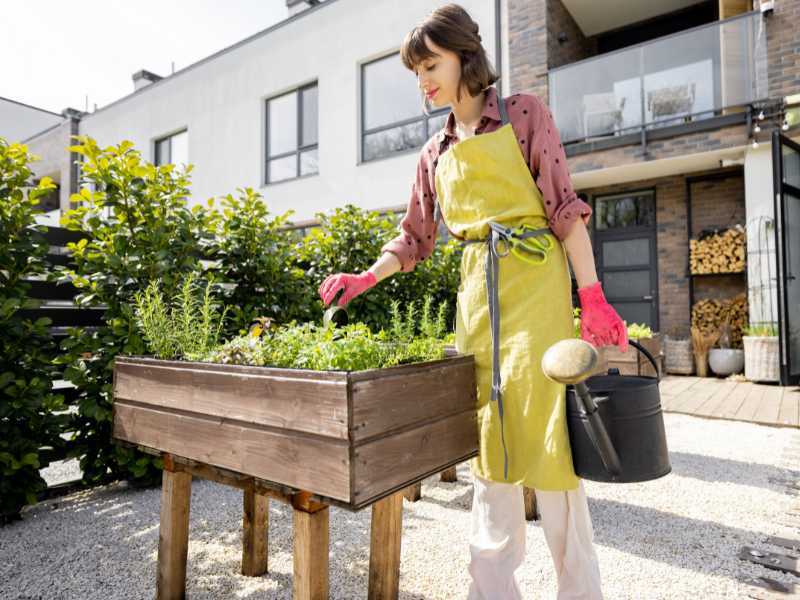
[
  {"x": 353, "y": 285},
  {"x": 600, "y": 323}
]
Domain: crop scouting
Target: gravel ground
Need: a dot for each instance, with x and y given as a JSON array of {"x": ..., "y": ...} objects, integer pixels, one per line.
[{"x": 673, "y": 538}]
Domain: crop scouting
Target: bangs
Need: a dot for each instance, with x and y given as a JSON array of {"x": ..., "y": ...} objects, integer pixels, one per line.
[{"x": 414, "y": 50}]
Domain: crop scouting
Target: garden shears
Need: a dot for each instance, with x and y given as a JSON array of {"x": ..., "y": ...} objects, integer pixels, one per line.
[{"x": 526, "y": 242}]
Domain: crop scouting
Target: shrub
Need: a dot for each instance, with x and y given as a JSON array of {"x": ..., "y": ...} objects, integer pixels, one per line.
[{"x": 28, "y": 423}]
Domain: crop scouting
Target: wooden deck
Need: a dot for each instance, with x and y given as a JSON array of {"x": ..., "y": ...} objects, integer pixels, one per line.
[{"x": 735, "y": 400}]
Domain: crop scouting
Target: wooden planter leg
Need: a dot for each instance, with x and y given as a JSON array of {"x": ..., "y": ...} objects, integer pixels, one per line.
[
  {"x": 311, "y": 523},
  {"x": 449, "y": 475},
  {"x": 413, "y": 492},
  {"x": 255, "y": 532},
  {"x": 384, "y": 548},
  {"x": 531, "y": 512},
  {"x": 173, "y": 534}
]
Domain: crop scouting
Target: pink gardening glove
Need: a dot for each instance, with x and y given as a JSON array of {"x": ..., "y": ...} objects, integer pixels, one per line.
[
  {"x": 600, "y": 323},
  {"x": 353, "y": 285}
]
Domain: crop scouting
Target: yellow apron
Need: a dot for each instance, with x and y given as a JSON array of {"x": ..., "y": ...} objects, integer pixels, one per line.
[{"x": 484, "y": 186}]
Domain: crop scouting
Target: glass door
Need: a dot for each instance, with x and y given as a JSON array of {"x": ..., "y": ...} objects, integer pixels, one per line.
[
  {"x": 625, "y": 248},
  {"x": 786, "y": 176}
]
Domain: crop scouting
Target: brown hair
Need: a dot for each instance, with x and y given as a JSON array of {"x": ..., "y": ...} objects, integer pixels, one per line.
[{"x": 450, "y": 27}]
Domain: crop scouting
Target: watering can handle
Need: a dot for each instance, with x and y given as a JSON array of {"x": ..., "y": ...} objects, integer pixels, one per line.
[{"x": 648, "y": 356}]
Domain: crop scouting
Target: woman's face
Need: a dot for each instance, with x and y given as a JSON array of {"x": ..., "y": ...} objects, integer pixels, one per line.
[{"x": 438, "y": 76}]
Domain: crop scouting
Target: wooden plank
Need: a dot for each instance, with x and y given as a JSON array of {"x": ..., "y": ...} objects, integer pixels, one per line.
[
  {"x": 683, "y": 383},
  {"x": 399, "y": 460},
  {"x": 750, "y": 404},
  {"x": 718, "y": 398},
  {"x": 255, "y": 533},
  {"x": 770, "y": 405},
  {"x": 173, "y": 535},
  {"x": 731, "y": 405},
  {"x": 789, "y": 413},
  {"x": 311, "y": 545},
  {"x": 531, "y": 510},
  {"x": 449, "y": 475},
  {"x": 695, "y": 397},
  {"x": 282, "y": 400},
  {"x": 320, "y": 465},
  {"x": 384, "y": 548},
  {"x": 402, "y": 398}
]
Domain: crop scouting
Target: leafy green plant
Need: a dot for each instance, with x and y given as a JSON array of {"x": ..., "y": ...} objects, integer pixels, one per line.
[
  {"x": 761, "y": 330},
  {"x": 29, "y": 425},
  {"x": 189, "y": 327},
  {"x": 138, "y": 228},
  {"x": 637, "y": 331}
]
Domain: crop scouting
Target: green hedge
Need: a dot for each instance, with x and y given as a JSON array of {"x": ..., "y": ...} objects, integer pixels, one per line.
[{"x": 28, "y": 420}]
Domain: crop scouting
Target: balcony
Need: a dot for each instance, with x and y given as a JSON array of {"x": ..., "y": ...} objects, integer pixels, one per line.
[{"x": 680, "y": 78}]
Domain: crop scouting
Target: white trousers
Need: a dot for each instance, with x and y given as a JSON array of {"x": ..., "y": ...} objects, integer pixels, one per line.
[{"x": 497, "y": 541}]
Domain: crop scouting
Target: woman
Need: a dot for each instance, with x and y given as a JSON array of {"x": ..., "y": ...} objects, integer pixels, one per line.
[{"x": 497, "y": 174}]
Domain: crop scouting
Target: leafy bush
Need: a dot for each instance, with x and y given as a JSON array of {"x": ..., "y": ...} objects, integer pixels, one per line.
[
  {"x": 258, "y": 258},
  {"x": 138, "y": 228},
  {"x": 28, "y": 424}
]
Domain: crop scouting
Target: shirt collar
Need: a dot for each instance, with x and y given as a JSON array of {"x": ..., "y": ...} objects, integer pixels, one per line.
[{"x": 490, "y": 111}]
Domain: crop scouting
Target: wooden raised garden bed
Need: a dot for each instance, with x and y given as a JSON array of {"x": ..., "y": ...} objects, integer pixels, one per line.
[{"x": 309, "y": 438}]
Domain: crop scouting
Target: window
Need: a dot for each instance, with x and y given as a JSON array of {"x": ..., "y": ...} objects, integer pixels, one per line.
[
  {"x": 173, "y": 149},
  {"x": 292, "y": 142},
  {"x": 391, "y": 116},
  {"x": 625, "y": 210}
]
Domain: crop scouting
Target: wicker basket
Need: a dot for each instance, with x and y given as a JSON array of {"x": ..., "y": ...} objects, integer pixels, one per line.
[
  {"x": 761, "y": 360},
  {"x": 678, "y": 357}
]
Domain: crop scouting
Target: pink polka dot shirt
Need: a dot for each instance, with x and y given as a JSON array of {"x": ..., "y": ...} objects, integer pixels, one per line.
[{"x": 540, "y": 145}]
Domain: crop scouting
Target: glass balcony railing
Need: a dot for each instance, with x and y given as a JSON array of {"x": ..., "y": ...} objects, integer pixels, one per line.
[{"x": 683, "y": 77}]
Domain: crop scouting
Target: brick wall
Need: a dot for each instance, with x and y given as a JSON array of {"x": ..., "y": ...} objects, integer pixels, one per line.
[
  {"x": 712, "y": 206},
  {"x": 783, "y": 49},
  {"x": 577, "y": 46},
  {"x": 527, "y": 41}
]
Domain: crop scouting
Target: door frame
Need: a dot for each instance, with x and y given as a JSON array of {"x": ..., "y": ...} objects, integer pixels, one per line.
[{"x": 780, "y": 187}]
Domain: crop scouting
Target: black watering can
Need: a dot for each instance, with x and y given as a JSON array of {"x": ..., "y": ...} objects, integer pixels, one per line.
[{"x": 616, "y": 427}]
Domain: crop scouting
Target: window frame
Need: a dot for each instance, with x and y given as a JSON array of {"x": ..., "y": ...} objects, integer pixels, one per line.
[
  {"x": 298, "y": 91},
  {"x": 169, "y": 137},
  {"x": 364, "y": 132}
]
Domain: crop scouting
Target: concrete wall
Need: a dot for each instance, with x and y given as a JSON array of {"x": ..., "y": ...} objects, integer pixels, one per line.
[{"x": 19, "y": 121}]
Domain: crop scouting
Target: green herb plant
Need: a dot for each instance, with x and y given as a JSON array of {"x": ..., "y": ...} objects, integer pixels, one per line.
[
  {"x": 761, "y": 330},
  {"x": 188, "y": 327}
]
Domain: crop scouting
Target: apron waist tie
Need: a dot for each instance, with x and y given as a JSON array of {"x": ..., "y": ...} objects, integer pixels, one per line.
[{"x": 498, "y": 234}]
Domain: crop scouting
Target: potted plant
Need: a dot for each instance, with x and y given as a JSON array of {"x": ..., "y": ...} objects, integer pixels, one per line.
[
  {"x": 343, "y": 413},
  {"x": 761, "y": 358},
  {"x": 678, "y": 356},
  {"x": 725, "y": 360}
]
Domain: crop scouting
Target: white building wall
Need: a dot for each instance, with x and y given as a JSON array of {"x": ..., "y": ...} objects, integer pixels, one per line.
[
  {"x": 20, "y": 121},
  {"x": 221, "y": 101}
]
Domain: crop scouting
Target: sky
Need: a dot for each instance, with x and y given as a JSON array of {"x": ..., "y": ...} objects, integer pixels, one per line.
[{"x": 57, "y": 52}]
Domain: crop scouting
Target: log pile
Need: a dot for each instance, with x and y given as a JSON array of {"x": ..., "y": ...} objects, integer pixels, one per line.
[
  {"x": 722, "y": 252},
  {"x": 709, "y": 315}
]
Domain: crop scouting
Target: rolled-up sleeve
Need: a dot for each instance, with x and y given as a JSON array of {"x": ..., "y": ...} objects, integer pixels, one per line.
[
  {"x": 417, "y": 235},
  {"x": 548, "y": 164}
]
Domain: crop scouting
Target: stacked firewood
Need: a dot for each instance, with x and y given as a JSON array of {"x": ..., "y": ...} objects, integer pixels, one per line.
[
  {"x": 709, "y": 315},
  {"x": 722, "y": 252}
]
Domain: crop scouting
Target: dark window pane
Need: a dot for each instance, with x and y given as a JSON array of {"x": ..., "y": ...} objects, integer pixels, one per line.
[
  {"x": 626, "y": 284},
  {"x": 626, "y": 253},
  {"x": 283, "y": 168},
  {"x": 390, "y": 93},
  {"x": 310, "y": 116},
  {"x": 162, "y": 152},
  {"x": 634, "y": 312},
  {"x": 388, "y": 141},
  {"x": 283, "y": 124},
  {"x": 626, "y": 211},
  {"x": 309, "y": 162}
]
